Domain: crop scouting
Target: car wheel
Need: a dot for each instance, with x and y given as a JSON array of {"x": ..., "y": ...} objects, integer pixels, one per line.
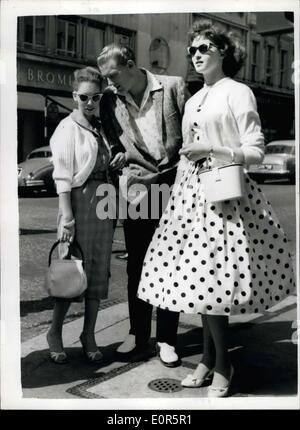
[
  {"x": 259, "y": 179},
  {"x": 23, "y": 192},
  {"x": 51, "y": 191},
  {"x": 50, "y": 186}
]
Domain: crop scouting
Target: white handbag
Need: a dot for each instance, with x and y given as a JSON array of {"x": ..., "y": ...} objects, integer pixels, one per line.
[
  {"x": 65, "y": 278},
  {"x": 223, "y": 182}
]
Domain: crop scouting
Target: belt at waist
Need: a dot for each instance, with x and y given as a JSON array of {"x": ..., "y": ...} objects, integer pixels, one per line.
[{"x": 200, "y": 162}]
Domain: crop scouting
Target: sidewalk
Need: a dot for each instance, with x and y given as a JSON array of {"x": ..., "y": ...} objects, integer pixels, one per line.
[{"x": 263, "y": 352}]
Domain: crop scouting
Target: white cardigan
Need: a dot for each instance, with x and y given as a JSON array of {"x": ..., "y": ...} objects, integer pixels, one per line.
[
  {"x": 227, "y": 114},
  {"x": 75, "y": 150}
]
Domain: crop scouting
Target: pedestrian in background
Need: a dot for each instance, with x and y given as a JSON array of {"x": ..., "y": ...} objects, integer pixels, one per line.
[
  {"x": 224, "y": 258},
  {"x": 143, "y": 113},
  {"x": 82, "y": 158}
]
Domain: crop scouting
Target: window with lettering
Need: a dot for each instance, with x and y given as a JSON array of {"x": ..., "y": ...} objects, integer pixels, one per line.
[{"x": 66, "y": 37}]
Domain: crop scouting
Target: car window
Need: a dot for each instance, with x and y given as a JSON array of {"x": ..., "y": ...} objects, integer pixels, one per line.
[
  {"x": 280, "y": 149},
  {"x": 40, "y": 154}
]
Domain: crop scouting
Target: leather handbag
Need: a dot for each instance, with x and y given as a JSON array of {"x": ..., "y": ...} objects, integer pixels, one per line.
[
  {"x": 223, "y": 182},
  {"x": 65, "y": 278}
]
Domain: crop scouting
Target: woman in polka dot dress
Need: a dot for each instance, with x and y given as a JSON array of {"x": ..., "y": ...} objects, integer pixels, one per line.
[{"x": 224, "y": 258}]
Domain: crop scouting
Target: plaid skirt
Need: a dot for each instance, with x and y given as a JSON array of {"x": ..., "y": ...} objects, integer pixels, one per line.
[{"x": 95, "y": 237}]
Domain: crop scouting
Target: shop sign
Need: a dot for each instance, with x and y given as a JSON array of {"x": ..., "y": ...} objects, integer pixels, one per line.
[{"x": 39, "y": 75}]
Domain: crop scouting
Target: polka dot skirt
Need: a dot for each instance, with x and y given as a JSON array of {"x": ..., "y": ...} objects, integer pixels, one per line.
[{"x": 222, "y": 258}]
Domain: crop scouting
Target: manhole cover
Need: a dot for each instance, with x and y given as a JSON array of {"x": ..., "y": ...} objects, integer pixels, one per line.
[{"x": 165, "y": 385}]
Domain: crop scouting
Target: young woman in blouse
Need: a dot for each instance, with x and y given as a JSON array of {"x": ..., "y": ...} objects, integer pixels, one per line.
[
  {"x": 82, "y": 158},
  {"x": 225, "y": 258}
]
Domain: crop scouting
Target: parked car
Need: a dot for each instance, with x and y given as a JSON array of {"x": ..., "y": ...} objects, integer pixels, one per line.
[
  {"x": 278, "y": 162},
  {"x": 35, "y": 173}
]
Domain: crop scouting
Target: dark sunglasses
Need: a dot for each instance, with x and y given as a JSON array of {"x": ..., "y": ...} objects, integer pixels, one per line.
[
  {"x": 84, "y": 97},
  {"x": 203, "y": 48}
]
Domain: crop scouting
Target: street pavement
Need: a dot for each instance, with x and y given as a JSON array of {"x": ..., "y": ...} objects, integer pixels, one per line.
[
  {"x": 263, "y": 351},
  {"x": 263, "y": 347}
]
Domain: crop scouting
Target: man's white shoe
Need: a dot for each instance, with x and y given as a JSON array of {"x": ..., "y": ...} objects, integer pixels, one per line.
[
  {"x": 167, "y": 354},
  {"x": 128, "y": 345}
]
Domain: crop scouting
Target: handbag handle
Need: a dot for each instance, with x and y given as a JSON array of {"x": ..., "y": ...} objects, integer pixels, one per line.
[
  {"x": 209, "y": 167},
  {"x": 57, "y": 243}
]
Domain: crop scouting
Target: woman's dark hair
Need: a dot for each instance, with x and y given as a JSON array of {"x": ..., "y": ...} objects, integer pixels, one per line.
[
  {"x": 121, "y": 53},
  {"x": 228, "y": 44},
  {"x": 88, "y": 74}
]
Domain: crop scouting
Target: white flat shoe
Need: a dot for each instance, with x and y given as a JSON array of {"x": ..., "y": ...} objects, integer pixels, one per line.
[
  {"x": 128, "y": 345},
  {"x": 220, "y": 391},
  {"x": 167, "y": 354},
  {"x": 191, "y": 381}
]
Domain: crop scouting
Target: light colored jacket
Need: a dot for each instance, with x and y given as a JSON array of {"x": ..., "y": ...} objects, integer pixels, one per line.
[
  {"x": 75, "y": 147},
  {"x": 169, "y": 101}
]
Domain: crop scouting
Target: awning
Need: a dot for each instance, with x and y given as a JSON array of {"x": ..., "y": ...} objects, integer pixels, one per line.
[{"x": 30, "y": 101}]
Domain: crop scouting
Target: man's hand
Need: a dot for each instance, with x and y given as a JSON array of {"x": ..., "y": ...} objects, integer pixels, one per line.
[{"x": 119, "y": 161}]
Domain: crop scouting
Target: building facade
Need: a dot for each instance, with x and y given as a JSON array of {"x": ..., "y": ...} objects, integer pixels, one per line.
[
  {"x": 50, "y": 48},
  {"x": 268, "y": 38}
]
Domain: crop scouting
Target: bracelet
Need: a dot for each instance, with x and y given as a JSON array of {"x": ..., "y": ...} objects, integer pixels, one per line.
[
  {"x": 69, "y": 224},
  {"x": 232, "y": 153}
]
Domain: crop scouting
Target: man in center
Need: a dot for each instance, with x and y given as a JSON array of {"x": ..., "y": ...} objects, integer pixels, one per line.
[{"x": 142, "y": 112}]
